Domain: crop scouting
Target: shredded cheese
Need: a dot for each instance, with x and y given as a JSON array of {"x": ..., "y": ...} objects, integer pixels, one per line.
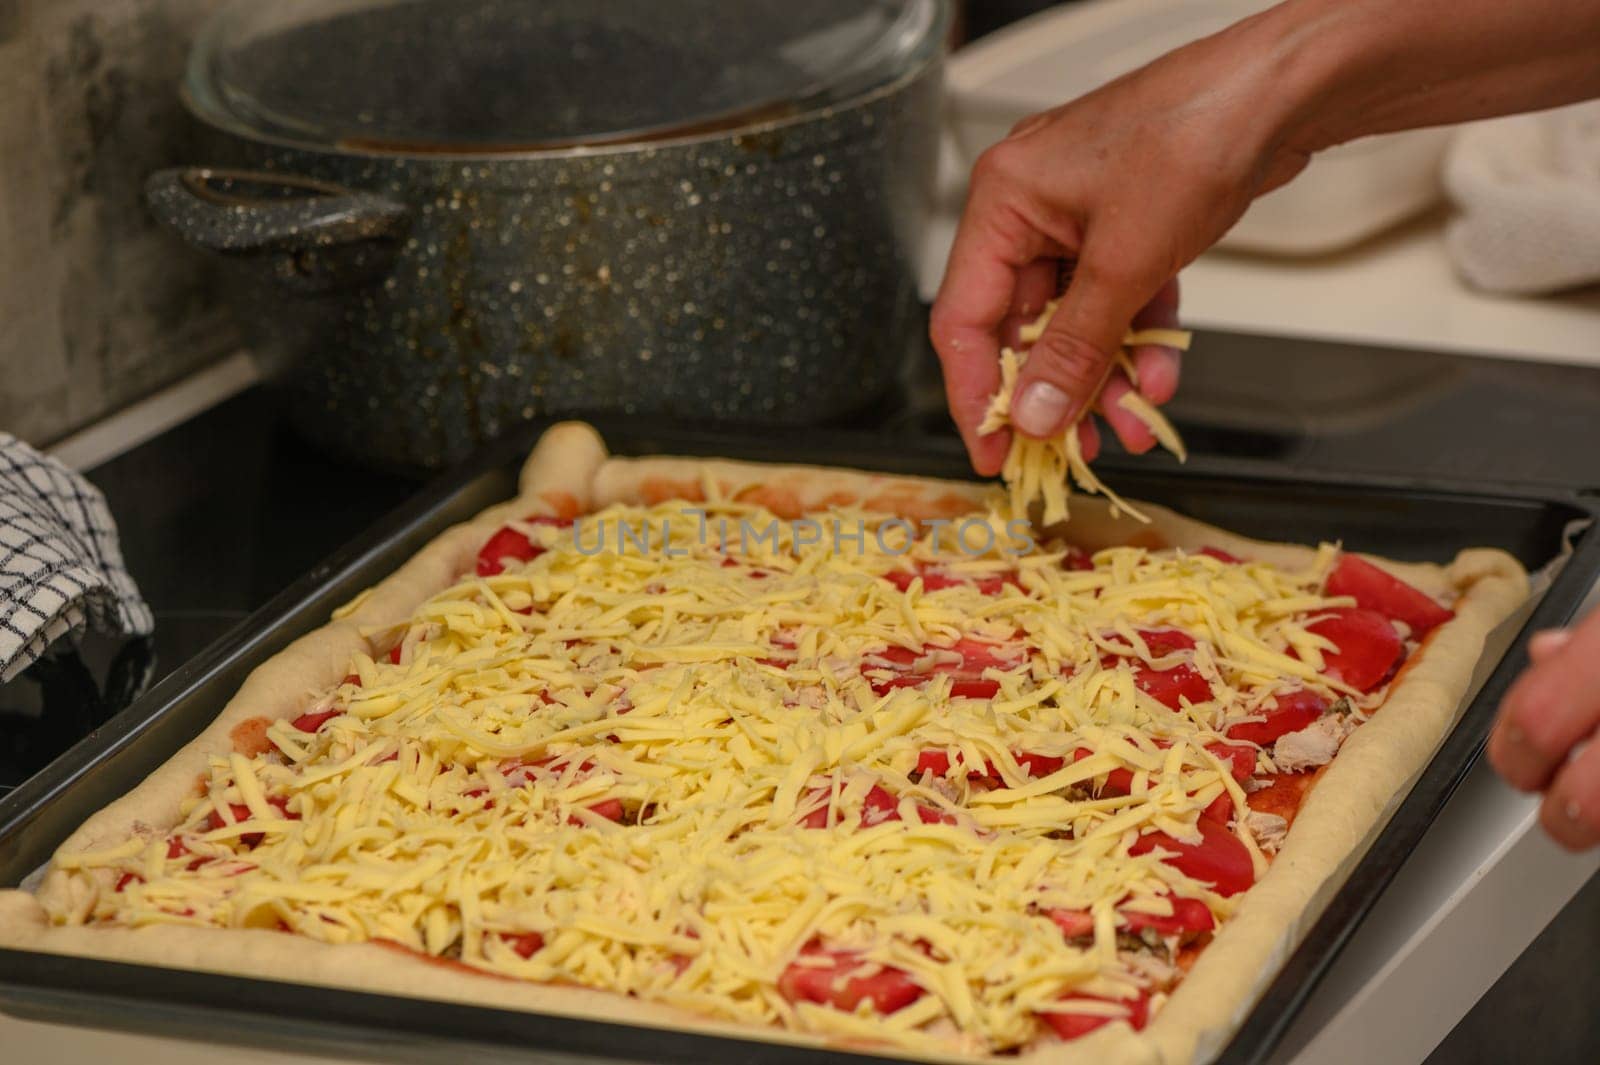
[
  {"x": 1041, "y": 471},
  {"x": 613, "y": 783}
]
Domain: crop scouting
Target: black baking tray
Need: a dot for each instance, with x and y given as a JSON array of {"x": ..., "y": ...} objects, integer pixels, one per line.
[{"x": 1397, "y": 517}]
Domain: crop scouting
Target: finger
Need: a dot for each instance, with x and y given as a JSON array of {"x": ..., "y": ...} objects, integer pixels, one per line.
[
  {"x": 992, "y": 245},
  {"x": 1161, "y": 311},
  {"x": 1133, "y": 433},
  {"x": 1571, "y": 809},
  {"x": 1089, "y": 439},
  {"x": 1159, "y": 369},
  {"x": 1036, "y": 286},
  {"x": 1551, "y": 707},
  {"x": 1068, "y": 365},
  {"x": 1544, "y": 644}
]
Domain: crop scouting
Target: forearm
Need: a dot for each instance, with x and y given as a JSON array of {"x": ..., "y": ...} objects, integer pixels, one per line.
[{"x": 1358, "y": 67}]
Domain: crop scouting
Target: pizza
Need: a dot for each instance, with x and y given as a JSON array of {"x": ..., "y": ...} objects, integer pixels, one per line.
[{"x": 809, "y": 755}]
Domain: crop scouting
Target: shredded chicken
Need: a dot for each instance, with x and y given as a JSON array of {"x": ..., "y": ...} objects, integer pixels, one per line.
[
  {"x": 1268, "y": 830},
  {"x": 1314, "y": 745}
]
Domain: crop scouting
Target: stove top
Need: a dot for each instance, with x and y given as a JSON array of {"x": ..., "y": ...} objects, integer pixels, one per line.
[{"x": 233, "y": 495}]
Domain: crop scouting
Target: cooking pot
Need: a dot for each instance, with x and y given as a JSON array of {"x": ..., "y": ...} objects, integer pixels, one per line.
[{"x": 445, "y": 216}]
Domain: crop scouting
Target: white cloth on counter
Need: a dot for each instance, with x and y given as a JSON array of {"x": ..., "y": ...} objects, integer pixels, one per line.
[
  {"x": 1527, "y": 190},
  {"x": 60, "y": 566}
]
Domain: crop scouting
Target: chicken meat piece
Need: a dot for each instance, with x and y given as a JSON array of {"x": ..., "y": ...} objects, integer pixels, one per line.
[{"x": 1312, "y": 746}]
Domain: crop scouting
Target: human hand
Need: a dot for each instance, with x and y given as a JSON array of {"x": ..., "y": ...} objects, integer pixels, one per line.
[
  {"x": 1544, "y": 739},
  {"x": 1125, "y": 185}
]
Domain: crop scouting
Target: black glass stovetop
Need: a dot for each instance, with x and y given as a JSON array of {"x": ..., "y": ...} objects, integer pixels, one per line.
[{"x": 219, "y": 513}]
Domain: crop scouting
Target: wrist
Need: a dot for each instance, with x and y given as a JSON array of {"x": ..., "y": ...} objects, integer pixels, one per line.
[{"x": 1314, "y": 58}]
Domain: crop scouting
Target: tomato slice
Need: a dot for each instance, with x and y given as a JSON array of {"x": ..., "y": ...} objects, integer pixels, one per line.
[
  {"x": 510, "y": 543},
  {"x": 1074, "y": 924},
  {"x": 610, "y": 809},
  {"x": 1240, "y": 760},
  {"x": 937, "y": 762},
  {"x": 312, "y": 722},
  {"x": 526, "y": 944},
  {"x": 1073, "y": 1025},
  {"x": 1169, "y": 687},
  {"x": 1189, "y": 917},
  {"x": 125, "y": 879},
  {"x": 1220, "y": 555},
  {"x": 836, "y": 982},
  {"x": 1290, "y": 712},
  {"x": 394, "y": 654},
  {"x": 1077, "y": 561},
  {"x": 1368, "y": 649},
  {"x": 967, "y": 680},
  {"x": 1374, "y": 589},
  {"x": 934, "y": 580},
  {"x": 1218, "y": 858},
  {"x": 878, "y": 807}
]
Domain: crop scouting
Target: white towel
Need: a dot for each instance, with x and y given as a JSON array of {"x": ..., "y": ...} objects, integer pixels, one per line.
[
  {"x": 1528, "y": 193},
  {"x": 60, "y": 566}
]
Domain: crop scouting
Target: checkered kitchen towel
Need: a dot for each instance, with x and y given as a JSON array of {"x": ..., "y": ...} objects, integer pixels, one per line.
[{"x": 60, "y": 567}]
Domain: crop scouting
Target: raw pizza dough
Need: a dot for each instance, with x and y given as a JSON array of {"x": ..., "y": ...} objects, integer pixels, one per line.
[{"x": 570, "y": 473}]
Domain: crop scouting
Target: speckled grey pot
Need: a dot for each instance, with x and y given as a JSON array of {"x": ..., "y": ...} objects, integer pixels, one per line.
[{"x": 426, "y": 302}]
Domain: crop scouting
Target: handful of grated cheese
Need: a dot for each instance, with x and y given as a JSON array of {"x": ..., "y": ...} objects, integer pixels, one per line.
[{"x": 1042, "y": 470}]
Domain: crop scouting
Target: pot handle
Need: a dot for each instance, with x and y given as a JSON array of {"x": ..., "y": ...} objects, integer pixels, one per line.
[{"x": 241, "y": 212}]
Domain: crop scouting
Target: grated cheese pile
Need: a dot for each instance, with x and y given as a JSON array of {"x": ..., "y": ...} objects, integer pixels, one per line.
[
  {"x": 593, "y": 768},
  {"x": 1042, "y": 470}
]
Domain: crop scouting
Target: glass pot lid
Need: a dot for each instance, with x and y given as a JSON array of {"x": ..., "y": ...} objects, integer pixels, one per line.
[{"x": 508, "y": 75}]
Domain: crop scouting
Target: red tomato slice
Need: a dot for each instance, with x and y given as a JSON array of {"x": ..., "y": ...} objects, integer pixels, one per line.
[
  {"x": 1240, "y": 760},
  {"x": 312, "y": 722},
  {"x": 967, "y": 681},
  {"x": 509, "y": 543},
  {"x": 1040, "y": 765},
  {"x": 1219, "y": 809},
  {"x": 878, "y": 807},
  {"x": 1369, "y": 650},
  {"x": 1220, "y": 555},
  {"x": 1167, "y": 686},
  {"x": 1077, "y": 561},
  {"x": 1189, "y": 917},
  {"x": 1289, "y": 712},
  {"x": 934, "y": 580},
  {"x": 833, "y": 984},
  {"x": 127, "y": 878},
  {"x": 937, "y": 762},
  {"x": 176, "y": 848},
  {"x": 352, "y": 678},
  {"x": 526, "y": 944},
  {"x": 1218, "y": 859},
  {"x": 394, "y": 654},
  {"x": 1073, "y": 1025},
  {"x": 1374, "y": 589},
  {"x": 1074, "y": 924},
  {"x": 1118, "y": 782},
  {"x": 610, "y": 809}
]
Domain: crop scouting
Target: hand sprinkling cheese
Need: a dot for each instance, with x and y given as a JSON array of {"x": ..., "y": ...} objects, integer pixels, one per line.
[{"x": 1041, "y": 470}]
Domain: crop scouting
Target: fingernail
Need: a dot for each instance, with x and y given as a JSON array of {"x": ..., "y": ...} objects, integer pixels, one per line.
[
  {"x": 1573, "y": 811},
  {"x": 1040, "y": 408}
]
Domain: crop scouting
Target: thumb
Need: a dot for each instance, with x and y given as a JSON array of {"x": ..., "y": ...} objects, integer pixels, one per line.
[{"x": 1070, "y": 361}]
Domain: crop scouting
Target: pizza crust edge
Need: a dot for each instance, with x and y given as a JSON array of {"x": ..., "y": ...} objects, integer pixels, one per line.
[{"x": 569, "y": 471}]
